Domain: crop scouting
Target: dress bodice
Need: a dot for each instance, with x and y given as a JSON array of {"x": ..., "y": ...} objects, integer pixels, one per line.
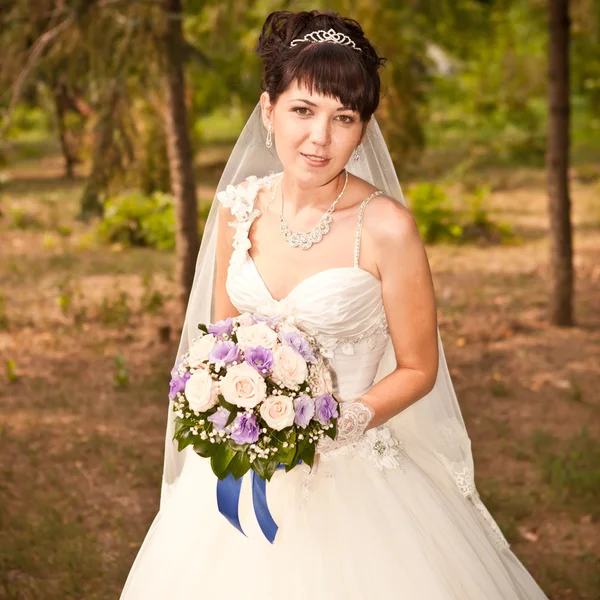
[{"x": 341, "y": 307}]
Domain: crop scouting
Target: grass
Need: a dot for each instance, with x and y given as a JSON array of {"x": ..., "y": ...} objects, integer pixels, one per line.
[
  {"x": 85, "y": 368},
  {"x": 571, "y": 469}
]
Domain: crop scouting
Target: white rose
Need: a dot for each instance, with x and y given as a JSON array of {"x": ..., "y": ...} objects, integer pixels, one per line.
[
  {"x": 256, "y": 335},
  {"x": 289, "y": 367},
  {"x": 243, "y": 386},
  {"x": 278, "y": 412},
  {"x": 319, "y": 380},
  {"x": 245, "y": 319},
  {"x": 200, "y": 348},
  {"x": 200, "y": 391}
]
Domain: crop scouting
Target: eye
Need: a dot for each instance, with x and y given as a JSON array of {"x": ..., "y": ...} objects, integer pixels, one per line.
[
  {"x": 300, "y": 108},
  {"x": 348, "y": 117}
]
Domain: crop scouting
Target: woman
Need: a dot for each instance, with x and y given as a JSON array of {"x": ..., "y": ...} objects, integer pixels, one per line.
[{"x": 309, "y": 226}]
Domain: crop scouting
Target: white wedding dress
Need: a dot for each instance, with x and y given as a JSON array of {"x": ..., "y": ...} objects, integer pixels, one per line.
[{"x": 381, "y": 520}]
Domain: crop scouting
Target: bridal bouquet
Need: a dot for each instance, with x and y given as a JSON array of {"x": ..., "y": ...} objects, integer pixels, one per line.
[{"x": 253, "y": 393}]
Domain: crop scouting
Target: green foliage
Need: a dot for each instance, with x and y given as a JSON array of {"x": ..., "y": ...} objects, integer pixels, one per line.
[
  {"x": 135, "y": 219},
  {"x": 436, "y": 220},
  {"x": 3, "y": 315},
  {"x": 69, "y": 299},
  {"x": 571, "y": 468},
  {"x": 21, "y": 219},
  {"x": 65, "y": 295},
  {"x": 585, "y": 54},
  {"x": 224, "y": 124},
  {"x": 11, "y": 371},
  {"x": 28, "y": 121},
  {"x": 439, "y": 222},
  {"x": 116, "y": 311},
  {"x": 152, "y": 300},
  {"x": 477, "y": 224},
  {"x": 153, "y": 162},
  {"x": 121, "y": 372}
]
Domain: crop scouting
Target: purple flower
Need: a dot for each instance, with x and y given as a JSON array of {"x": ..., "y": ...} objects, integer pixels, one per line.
[
  {"x": 325, "y": 408},
  {"x": 178, "y": 384},
  {"x": 219, "y": 418},
  {"x": 225, "y": 352},
  {"x": 260, "y": 358},
  {"x": 304, "y": 406},
  {"x": 219, "y": 328},
  {"x": 245, "y": 429},
  {"x": 175, "y": 367},
  {"x": 299, "y": 343}
]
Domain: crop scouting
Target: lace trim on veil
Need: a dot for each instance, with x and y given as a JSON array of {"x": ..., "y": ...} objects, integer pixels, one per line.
[{"x": 464, "y": 477}]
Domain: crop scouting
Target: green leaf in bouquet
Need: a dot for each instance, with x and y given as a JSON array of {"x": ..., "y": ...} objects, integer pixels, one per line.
[
  {"x": 259, "y": 466},
  {"x": 220, "y": 460},
  {"x": 286, "y": 455},
  {"x": 239, "y": 465},
  {"x": 202, "y": 327},
  {"x": 237, "y": 447},
  {"x": 332, "y": 431},
  {"x": 232, "y": 415},
  {"x": 205, "y": 448},
  {"x": 182, "y": 425},
  {"x": 271, "y": 468},
  {"x": 230, "y": 407},
  {"x": 184, "y": 440},
  {"x": 300, "y": 448},
  {"x": 308, "y": 456},
  {"x": 183, "y": 435}
]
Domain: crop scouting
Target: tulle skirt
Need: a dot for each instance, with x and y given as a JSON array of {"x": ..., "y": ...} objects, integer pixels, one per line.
[{"x": 358, "y": 533}]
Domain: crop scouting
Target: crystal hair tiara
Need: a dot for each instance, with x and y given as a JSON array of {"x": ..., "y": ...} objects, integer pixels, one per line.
[{"x": 331, "y": 36}]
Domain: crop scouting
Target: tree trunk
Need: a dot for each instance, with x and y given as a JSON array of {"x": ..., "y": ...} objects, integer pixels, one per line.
[
  {"x": 179, "y": 149},
  {"x": 60, "y": 106},
  {"x": 557, "y": 165},
  {"x": 96, "y": 182}
]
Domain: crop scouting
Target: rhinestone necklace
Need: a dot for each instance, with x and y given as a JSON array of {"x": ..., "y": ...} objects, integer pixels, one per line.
[{"x": 305, "y": 239}]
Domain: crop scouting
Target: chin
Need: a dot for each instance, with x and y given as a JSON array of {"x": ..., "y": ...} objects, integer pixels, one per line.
[{"x": 319, "y": 175}]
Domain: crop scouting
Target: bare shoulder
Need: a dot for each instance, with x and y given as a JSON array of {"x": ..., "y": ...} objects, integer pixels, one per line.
[{"x": 390, "y": 225}]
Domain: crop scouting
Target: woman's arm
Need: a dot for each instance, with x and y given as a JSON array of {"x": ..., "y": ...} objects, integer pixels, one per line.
[
  {"x": 391, "y": 234},
  {"x": 409, "y": 302},
  {"x": 223, "y": 306}
]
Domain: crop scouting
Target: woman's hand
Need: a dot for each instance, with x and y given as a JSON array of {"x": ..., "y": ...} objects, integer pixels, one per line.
[{"x": 353, "y": 421}]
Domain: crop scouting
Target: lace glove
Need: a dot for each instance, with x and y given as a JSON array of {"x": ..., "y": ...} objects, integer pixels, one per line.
[{"x": 353, "y": 421}]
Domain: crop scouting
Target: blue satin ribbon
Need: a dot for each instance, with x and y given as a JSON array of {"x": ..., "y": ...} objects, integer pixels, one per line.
[{"x": 228, "y": 501}]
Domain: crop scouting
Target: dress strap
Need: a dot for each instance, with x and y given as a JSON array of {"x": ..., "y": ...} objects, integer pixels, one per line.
[{"x": 359, "y": 225}]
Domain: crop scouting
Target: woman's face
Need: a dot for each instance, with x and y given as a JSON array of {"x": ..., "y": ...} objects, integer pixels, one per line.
[{"x": 307, "y": 127}]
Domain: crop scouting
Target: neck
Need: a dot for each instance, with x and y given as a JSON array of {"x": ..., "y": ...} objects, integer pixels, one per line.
[{"x": 300, "y": 199}]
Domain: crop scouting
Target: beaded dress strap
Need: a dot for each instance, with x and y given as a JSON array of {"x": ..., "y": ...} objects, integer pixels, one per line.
[{"x": 359, "y": 225}]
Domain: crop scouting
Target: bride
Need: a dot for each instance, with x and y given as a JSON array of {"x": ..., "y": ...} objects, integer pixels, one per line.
[{"x": 309, "y": 226}]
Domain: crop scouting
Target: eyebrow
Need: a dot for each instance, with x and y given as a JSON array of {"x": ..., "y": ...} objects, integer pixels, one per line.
[{"x": 316, "y": 105}]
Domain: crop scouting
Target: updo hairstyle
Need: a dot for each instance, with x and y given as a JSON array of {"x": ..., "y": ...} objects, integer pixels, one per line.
[{"x": 333, "y": 70}]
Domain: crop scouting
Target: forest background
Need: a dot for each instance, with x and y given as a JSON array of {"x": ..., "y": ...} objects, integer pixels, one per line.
[{"x": 116, "y": 119}]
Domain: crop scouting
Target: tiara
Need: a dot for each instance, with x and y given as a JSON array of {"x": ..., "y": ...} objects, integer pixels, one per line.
[{"x": 327, "y": 36}]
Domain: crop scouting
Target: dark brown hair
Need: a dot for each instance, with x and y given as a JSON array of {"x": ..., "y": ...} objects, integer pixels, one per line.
[{"x": 333, "y": 70}]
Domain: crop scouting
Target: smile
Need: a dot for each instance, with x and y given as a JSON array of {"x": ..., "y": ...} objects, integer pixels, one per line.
[{"x": 315, "y": 159}]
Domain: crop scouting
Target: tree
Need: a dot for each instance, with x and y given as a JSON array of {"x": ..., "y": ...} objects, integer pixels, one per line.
[
  {"x": 557, "y": 164},
  {"x": 179, "y": 148}
]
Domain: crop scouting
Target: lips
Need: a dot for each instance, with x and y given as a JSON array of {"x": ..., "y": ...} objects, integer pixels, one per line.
[{"x": 315, "y": 157}]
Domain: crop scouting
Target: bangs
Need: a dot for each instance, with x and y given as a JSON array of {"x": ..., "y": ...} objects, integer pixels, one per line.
[{"x": 329, "y": 70}]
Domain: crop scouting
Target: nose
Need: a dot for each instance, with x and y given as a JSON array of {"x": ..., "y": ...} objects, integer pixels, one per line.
[{"x": 320, "y": 134}]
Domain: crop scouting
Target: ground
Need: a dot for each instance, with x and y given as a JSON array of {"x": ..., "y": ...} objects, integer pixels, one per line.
[{"x": 86, "y": 353}]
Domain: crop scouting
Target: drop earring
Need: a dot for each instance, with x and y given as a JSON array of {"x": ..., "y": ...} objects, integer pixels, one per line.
[
  {"x": 356, "y": 153},
  {"x": 269, "y": 140}
]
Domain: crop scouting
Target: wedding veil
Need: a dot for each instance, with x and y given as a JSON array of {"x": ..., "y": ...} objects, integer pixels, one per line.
[{"x": 434, "y": 422}]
